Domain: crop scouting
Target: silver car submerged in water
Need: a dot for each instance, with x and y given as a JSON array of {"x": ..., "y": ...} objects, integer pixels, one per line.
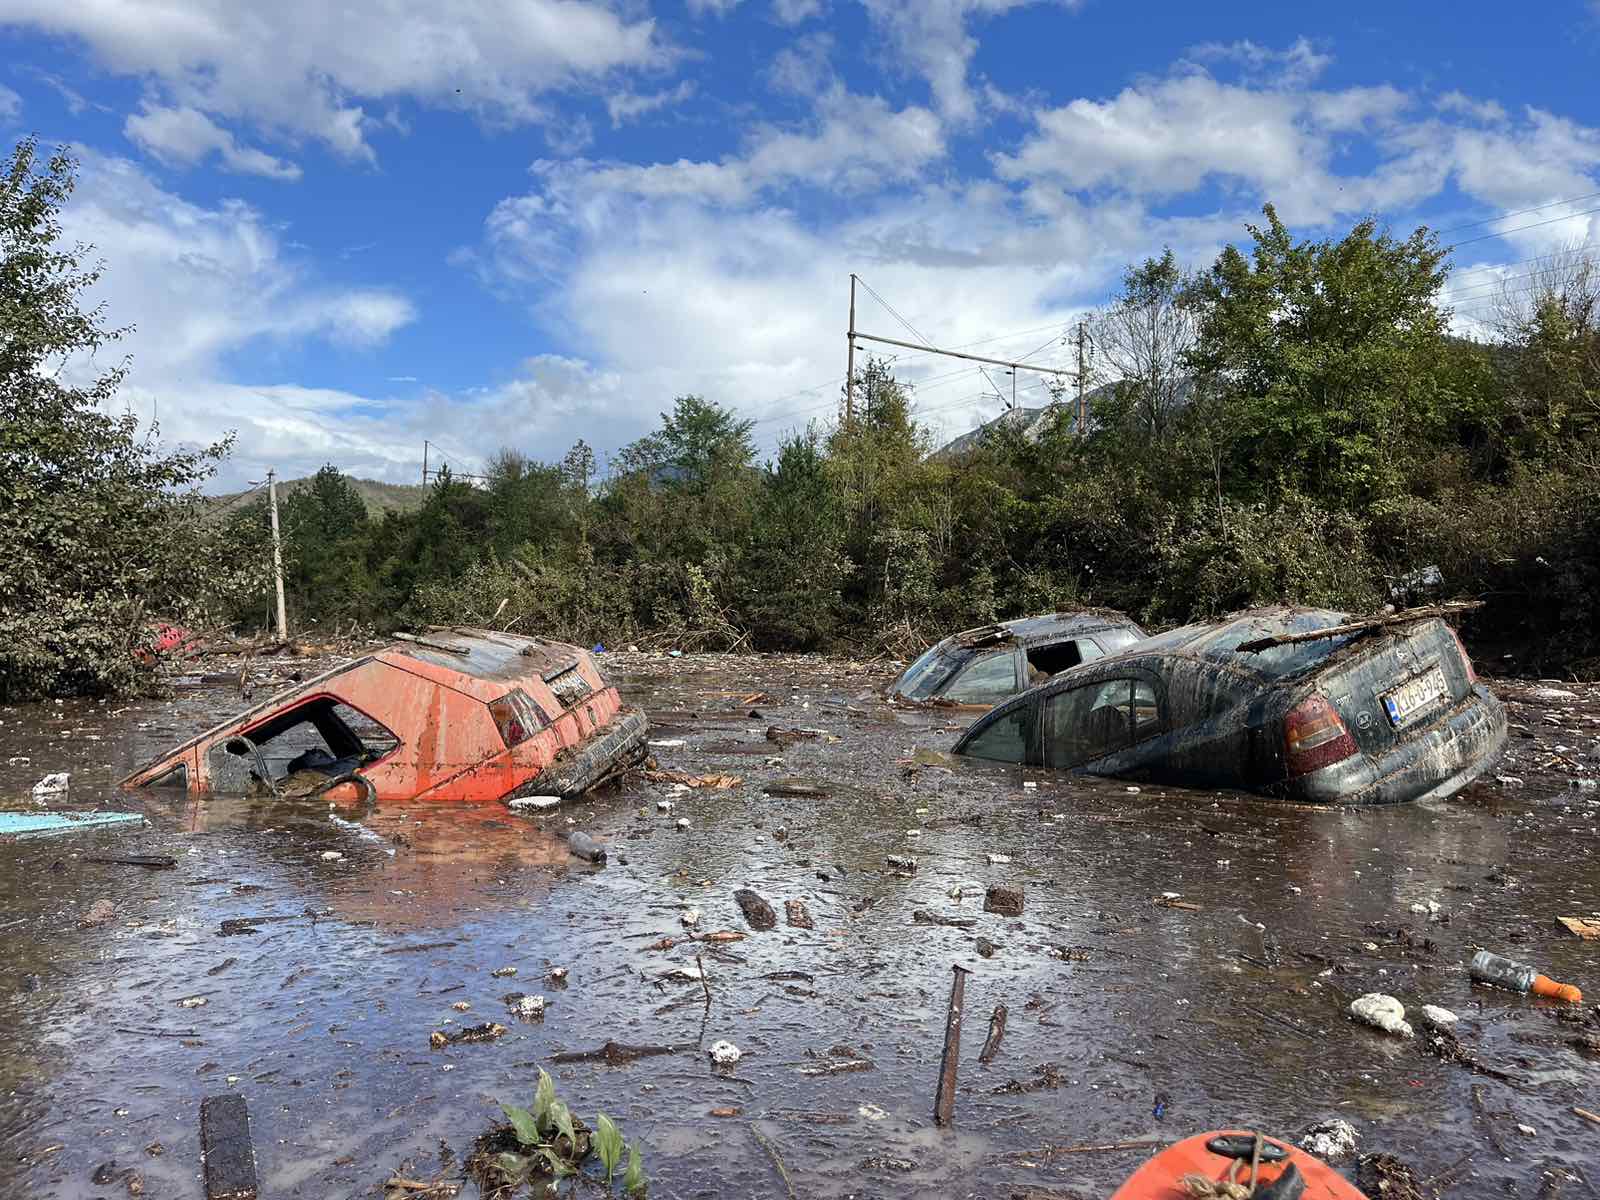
[
  {"x": 1267, "y": 702},
  {"x": 986, "y": 665}
]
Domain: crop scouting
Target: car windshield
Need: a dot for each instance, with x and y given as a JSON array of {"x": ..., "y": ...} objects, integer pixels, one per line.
[
  {"x": 929, "y": 673},
  {"x": 1278, "y": 662}
]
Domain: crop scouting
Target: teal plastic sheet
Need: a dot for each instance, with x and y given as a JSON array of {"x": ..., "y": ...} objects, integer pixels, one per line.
[{"x": 49, "y": 824}]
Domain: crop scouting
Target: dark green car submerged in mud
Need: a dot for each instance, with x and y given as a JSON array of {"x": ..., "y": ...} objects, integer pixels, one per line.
[{"x": 1378, "y": 715}]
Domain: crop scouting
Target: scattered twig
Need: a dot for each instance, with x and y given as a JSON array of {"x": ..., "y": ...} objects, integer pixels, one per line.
[
  {"x": 1146, "y": 1144},
  {"x": 1592, "y": 1118},
  {"x": 777, "y": 1162}
]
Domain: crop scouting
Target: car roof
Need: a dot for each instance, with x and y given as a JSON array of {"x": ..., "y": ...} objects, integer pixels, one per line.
[
  {"x": 1046, "y": 627},
  {"x": 1218, "y": 641}
]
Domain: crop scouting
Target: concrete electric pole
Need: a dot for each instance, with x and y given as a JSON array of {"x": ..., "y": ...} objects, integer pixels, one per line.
[{"x": 277, "y": 554}]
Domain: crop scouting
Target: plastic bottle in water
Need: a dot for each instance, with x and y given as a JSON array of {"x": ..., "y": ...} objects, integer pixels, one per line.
[
  {"x": 1519, "y": 977},
  {"x": 586, "y": 848}
]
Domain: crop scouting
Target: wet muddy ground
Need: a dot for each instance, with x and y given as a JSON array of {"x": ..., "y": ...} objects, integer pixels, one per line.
[{"x": 1133, "y": 1017}]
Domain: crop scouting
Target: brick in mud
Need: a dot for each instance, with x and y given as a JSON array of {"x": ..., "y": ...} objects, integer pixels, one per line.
[
  {"x": 1003, "y": 900},
  {"x": 230, "y": 1158},
  {"x": 757, "y": 911},
  {"x": 799, "y": 916}
]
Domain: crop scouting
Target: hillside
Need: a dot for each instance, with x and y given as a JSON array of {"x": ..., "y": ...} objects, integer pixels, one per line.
[{"x": 380, "y": 498}]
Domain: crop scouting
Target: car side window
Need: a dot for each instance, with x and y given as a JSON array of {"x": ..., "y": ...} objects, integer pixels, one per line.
[
  {"x": 1146, "y": 711},
  {"x": 1097, "y": 719},
  {"x": 1005, "y": 739},
  {"x": 985, "y": 680},
  {"x": 1090, "y": 649}
]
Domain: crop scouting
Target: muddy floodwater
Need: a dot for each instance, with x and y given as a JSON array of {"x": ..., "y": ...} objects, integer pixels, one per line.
[{"x": 1183, "y": 961}]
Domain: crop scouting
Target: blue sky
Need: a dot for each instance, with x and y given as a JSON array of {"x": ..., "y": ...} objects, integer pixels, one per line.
[{"x": 341, "y": 230}]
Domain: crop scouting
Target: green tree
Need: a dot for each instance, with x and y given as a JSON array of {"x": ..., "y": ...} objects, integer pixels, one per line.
[
  {"x": 100, "y": 523},
  {"x": 1330, "y": 354}
]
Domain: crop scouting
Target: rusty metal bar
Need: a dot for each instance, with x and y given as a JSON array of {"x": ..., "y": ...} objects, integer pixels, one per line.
[{"x": 944, "y": 1100}]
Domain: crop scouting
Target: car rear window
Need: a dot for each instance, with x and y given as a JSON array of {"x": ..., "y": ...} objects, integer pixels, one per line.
[{"x": 1278, "y": 662}]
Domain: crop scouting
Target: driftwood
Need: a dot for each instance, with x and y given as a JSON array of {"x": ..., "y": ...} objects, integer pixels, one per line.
[
  {"x": 1365, "y": 625},
  {"x": 416, "y": 641},
  {"x": 615, "y": 1054},
  {"x": 997, "y": 1030}
]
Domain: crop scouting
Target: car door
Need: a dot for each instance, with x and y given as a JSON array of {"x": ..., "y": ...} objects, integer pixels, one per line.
[{"x": 1103, "y": 719}]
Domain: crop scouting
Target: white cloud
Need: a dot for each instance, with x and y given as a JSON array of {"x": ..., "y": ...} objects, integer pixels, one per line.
[
  {"x": 184, "y": 136},
  {"x": 200, "y": 284},
  {"x": 1166, "y": 137},
  {"x": 306, "y": 68},
  {"x": 720, "y": 8},
  {"x": 932, "y": 40},
  {"x": 1489, "y": 112},
  {"x": 623, "y": 107},
  {"x": 803, "y": 67},
  {"x": 1296, "y": 66},
  {"x": 792, "y": 12},
  {"x": 828, "y": 153},
  {"x": 10, "y": 104}
]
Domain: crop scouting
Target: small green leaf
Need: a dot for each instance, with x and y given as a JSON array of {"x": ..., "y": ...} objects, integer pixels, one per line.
[
  {"x": 561, "y": 1116},
  {"x": 544, "y": 1098},
  {"x": 633, "y": 1181},
  {"x": 608, "y": 1142},
  {"x": 522, "y": 1121}
]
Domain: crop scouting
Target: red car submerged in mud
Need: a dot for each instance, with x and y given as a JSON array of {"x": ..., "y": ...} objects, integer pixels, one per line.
[{"x": 458, "y": 714}]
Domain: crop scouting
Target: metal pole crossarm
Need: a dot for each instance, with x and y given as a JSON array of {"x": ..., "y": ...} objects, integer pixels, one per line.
[{"x": 997, "y": 362}]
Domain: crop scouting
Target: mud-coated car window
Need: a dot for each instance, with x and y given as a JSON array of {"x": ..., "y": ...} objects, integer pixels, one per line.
[
  {"x": 1092, "y": 721},
  {"x": 985, "y": 680},
  {"x": 1005, "y": 740}
]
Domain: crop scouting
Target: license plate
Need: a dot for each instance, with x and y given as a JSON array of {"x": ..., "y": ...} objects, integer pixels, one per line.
[{"x": 1414, "y": 696}]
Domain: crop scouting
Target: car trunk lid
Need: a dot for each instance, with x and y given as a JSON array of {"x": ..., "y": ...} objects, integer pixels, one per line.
[{"x": 1385, "y": 686}]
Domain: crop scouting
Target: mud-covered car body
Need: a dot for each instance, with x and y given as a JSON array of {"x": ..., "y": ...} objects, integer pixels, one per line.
[
  {"x": 1383, "y": 715},
  {"x": 459, "y": 714},
  {"x": 983, "y": 666}
]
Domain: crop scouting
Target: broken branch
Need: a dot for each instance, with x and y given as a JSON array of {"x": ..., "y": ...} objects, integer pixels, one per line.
[{"x": 1366, "y": 625}]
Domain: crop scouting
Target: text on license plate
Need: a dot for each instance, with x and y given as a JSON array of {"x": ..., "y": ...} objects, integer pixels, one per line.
[{"x": 1414, "y": 696}]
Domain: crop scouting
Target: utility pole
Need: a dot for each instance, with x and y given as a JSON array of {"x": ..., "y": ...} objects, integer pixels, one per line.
[
  {"x": 1083, "y": 417},
  {"x": 424, "y": 462},
  {"x": 277, "y": 554},
  {"x": 850, "y": 356}
]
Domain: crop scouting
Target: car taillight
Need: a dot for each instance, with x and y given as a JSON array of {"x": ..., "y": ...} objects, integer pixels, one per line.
[
  {"x": 1466, "y": 660},
  {"x": 1314, "y": 736},
  {"x": 516, "y": 716}
]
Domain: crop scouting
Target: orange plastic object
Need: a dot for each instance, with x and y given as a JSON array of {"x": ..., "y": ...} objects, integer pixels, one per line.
[
  {"x": 1543, "y": 985},
  {"x": 1161, "y": 1177}
]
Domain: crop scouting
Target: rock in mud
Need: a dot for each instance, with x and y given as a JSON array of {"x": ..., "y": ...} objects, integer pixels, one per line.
[
  {"x": 986, "y": 948},
  {"x": 901, "y": 864},
  {"x": 101, "y": 912},
  {"x": 1003, "y": 900},
  {"x": 1438, "y": 1018},
  {"x": 1331, "y": 1141},
  {"x": 1382, "y": 1012},
  {"x": 528, "y": 1008},
  {"x": 757, "y": 911},
  {"x": 724, "y": 1053},
  {"x": 798, "y": 915}
]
